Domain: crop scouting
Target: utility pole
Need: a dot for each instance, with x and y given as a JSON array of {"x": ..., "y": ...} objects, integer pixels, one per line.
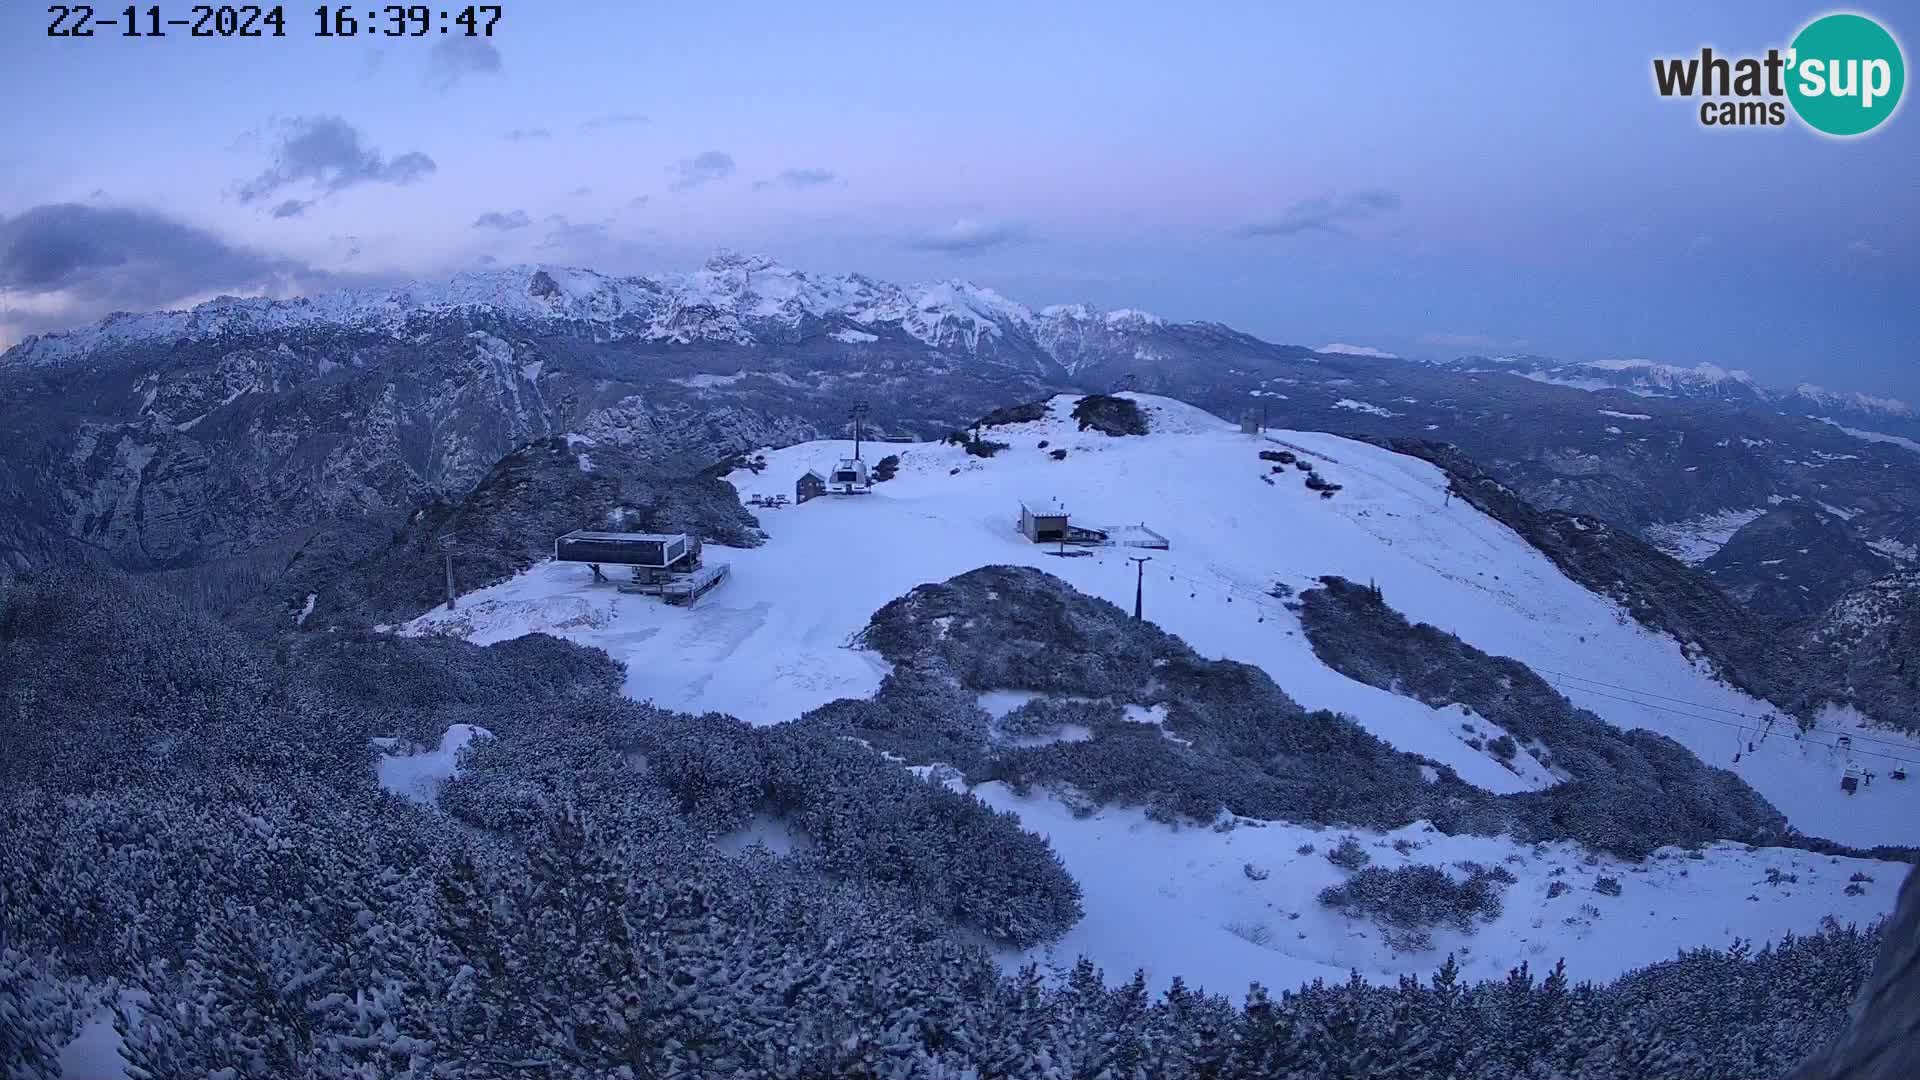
[
  {"x": 859, "y": 412},
  {"x": 1139, "y": 578},
  {"x": 446, "y": 543}
]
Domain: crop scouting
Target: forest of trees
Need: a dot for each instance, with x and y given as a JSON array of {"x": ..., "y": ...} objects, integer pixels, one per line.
[{"x": 190, "y": 827}]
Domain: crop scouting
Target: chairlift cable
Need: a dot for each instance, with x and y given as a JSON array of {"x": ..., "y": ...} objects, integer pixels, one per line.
[
  {"x": 1729, "y": 723},
  {"x": 1896, "y": 744}
]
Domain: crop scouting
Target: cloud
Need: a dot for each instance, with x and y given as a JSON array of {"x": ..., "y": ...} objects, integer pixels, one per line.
[
  {"x": 971, "y": 236},
  {"x": 1357, "y": 350},
  {"x": 637, "y": 201},
  {"x": 454, "y": 58},
  {"x": 702, "y": 168},
  {"x": 1472, "y": 341},
  {"x": 1326, "y": 214},
  {"x": 291, "y": 208},
  {"x": 329, "y": 153},
  {"x": 494, "y": 219},
  {"x": 70, "y": 263},
  {"x": 582, "y": 191},
  {"x": 613, "y": 120},
  {"x": 525, "y": 134},
  {"x": 576, "y": 236},
  {"x": 1865, "y": 250},
  {"x": 798, "y": 179}
]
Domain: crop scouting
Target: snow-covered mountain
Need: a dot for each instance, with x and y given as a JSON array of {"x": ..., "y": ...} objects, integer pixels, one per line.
[
  {"x": 1245, "y": 531},
  {"x": 1703, "y": 381},
  {"x": 732, "y": 299}
]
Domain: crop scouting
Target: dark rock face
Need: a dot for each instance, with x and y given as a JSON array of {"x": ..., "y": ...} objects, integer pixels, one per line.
[
  {"x": 1883, "y": 1041},
  {"x": 1864, "y": 650},
  {"x": 1794, "y": 560}
]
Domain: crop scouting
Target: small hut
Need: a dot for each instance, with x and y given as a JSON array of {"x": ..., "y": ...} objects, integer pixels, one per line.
[
  {"x": 1043, "y": 520},
  {"x": 810, "y": 485}
]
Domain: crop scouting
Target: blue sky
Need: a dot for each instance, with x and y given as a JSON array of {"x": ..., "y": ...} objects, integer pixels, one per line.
[{"x": 1426, "y": 179}]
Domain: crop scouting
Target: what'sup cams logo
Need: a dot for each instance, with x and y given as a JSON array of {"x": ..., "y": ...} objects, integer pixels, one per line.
[{"x": 1842, "y": 76}]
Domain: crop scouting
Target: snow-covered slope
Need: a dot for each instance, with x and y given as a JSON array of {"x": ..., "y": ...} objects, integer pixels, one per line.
[{"x": 775, "y": 641}]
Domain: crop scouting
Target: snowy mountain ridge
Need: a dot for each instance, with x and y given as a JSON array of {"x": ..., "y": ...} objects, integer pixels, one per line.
[
  {"x": 739, "y": 299},
  {"x": 1650, "y": 378}
]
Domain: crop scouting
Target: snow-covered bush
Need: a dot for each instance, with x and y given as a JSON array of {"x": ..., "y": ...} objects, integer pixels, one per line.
[
  {"x": 1416, "y": 897},
  {"x": 1349, "y": 855},
  {"x": 1110, "y": 415}
]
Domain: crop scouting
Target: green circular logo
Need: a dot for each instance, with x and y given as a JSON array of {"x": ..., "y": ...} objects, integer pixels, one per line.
[{"x": 1845, "y": 74}]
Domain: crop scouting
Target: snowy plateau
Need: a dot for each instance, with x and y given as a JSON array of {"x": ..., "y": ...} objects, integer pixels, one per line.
[{"x": 780, "y": 637}]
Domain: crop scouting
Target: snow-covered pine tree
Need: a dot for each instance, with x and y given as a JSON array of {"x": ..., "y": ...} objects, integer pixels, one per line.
[{"x": 37, "y": 1016}]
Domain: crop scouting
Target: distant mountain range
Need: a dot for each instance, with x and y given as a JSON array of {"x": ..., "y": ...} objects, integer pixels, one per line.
[
  {"x": 158, "y": 440},
  {"x": 1702, "y": 381}
]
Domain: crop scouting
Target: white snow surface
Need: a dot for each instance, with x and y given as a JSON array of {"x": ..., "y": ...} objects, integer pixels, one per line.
[
  {"x": 1357, "y": 350},
  {"x": 1362, "y": 406},
  {"x": 775, "y": 641},
  {"x": 418, "y": 775},
  {"x": 1695, "y": 540},
  {"x": 1874, "y": 436},
  {"x": 1177, "y": 901}
]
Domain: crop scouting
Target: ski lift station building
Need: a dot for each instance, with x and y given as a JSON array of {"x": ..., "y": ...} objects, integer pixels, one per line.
[
  {"x": 667, "y": 565},
  {"x": 1043, "y": 521},
  {"x": 659, "y": 551}
]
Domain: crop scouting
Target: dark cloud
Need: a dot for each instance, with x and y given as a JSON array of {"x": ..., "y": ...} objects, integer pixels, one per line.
[
  {"x": 700, "y": 169},
  {"x": 456, "y": 57},
  {"x": 970, "y": 236},
  {"x": 1326, "y": 214},
  {"x": 291, "y": 208},
  {"x": 329, "y": 153},
  {"x": 613, "y": 120},
  {"x": 511, "y": 219},
  {"x": 798, "y": 178},
  {"x": 525, "y": 134},
  {"x": 576, "y": 236},
  {"x": 594, "y": 243},
  {"x": 84, "y": 261},
  {"x": 637, "y": 201}
]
